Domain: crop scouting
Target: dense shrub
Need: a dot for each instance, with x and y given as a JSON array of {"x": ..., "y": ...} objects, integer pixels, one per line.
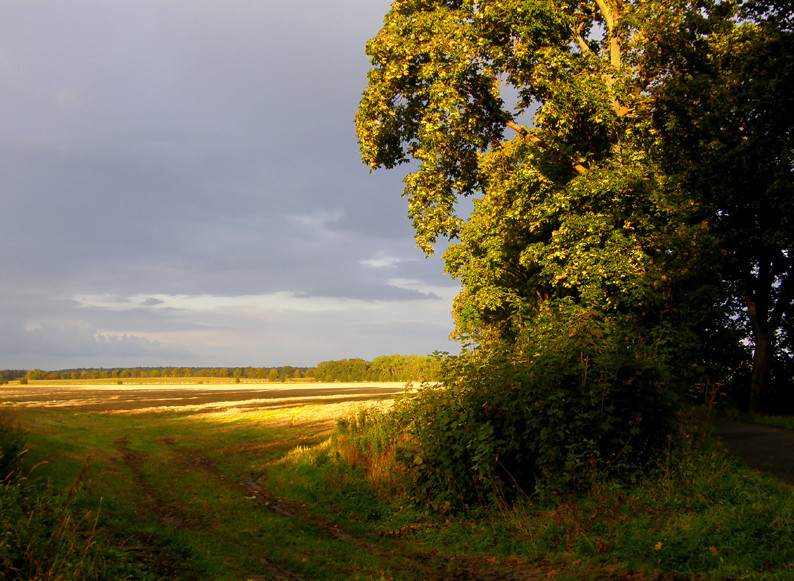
[{"x": 573, "y": 397}]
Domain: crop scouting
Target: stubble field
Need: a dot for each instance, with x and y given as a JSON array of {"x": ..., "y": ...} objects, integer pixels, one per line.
[{"x": 189, "y": 396}]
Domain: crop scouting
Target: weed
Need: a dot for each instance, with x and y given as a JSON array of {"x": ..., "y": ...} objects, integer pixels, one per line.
[
  {"x": 367, "y": 439},
  {"x": 695, "y": 513},
  {"x": 42, "y": 533},
  {"x": 12, "y": 447}
]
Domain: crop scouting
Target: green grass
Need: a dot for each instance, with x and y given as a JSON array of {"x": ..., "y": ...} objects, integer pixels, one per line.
[
  {"x": 166, "y": 494},
  {"x": 162, "y": 496},
  {"x": 698, "y": 513}
]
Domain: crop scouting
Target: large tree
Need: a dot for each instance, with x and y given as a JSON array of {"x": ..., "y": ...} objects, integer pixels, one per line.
[
  {"x": 544, "y": 112},
  {"x": 631, "y": 157},
  {"x": 585, "y": 269},
  {"x": 728, "y": 130}
]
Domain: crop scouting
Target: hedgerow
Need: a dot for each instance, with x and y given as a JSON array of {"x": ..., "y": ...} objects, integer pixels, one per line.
[{"x": 567, "y": 401}]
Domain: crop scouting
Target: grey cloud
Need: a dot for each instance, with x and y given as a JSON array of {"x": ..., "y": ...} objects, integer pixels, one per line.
[
  {"x": 190, "y": 147},
  {"x": 365, "y": 291},
  {"x": 63, "y": 344}
]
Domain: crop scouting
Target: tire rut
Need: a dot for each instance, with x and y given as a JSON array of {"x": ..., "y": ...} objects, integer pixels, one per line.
[
  {"x": 145, "y": 545},
  {"x": 426, "y": 564},
  {"x": 419, "y": 563}
]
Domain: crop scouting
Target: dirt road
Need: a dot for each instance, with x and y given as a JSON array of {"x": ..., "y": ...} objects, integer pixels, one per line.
[{"x": 765, "y": 449}]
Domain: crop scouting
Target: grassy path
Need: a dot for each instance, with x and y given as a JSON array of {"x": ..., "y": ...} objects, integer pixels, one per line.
[
  {"x": 185, "y": 493},
  {"x": 174, "y": 501}
]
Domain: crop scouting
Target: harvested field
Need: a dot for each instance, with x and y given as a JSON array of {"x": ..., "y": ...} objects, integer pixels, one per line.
[{"x": 151, "y": 397}]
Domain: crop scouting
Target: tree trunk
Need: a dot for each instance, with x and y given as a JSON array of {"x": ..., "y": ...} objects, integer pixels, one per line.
[
  {"x": 764, "y": 351},
  {"x": 762, "y": 362}
]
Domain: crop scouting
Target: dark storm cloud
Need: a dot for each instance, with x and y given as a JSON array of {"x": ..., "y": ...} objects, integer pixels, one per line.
[{"x": 193, "y": 148}]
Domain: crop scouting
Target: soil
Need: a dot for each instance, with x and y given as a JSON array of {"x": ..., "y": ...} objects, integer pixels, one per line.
[
  {"x": 766, "y": 449},
  {"x": 141, "y": 398}
]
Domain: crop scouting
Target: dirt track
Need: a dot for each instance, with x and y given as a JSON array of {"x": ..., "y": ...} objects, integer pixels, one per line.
[
  {"x": 765, "y": 449},
  {"x": 141, "y": 454}
]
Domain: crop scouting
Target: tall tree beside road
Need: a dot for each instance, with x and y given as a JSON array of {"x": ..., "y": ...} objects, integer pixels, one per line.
[
  {"x": 728, "y": 129},
  {"x": 591, "y": 260}
]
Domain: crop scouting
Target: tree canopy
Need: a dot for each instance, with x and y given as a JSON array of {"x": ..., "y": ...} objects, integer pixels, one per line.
[
  {"x": 570, "y": 206},
  {"x": 588, "y": 134},
  {"x": 630, "y": 170}
]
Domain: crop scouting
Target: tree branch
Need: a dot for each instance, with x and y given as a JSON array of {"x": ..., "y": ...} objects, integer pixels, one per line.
[
  {"x": 583, "y": 46},
  {"x": 611, "y": 16},
  {"x": 607, "y": 13},
  {"x": 538, "y": 142}
]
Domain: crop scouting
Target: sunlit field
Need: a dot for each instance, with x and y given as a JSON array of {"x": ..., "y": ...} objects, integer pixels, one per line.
[
  {"x": 153, "y": 480},
  {"x": 190, "y": 395},
  {"x": 173, "y": 479}
]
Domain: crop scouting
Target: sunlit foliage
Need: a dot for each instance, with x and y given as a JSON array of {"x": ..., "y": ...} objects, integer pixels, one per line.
[{"x": 556, "y": 119}]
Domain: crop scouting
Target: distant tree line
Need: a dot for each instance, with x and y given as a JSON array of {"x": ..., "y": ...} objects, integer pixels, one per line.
[
  {"x": 385, "y": 368},
  {"x": 274, "y": 374}
]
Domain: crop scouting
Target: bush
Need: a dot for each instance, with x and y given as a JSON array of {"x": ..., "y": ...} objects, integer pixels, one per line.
[{"x": 574, "y": 397}]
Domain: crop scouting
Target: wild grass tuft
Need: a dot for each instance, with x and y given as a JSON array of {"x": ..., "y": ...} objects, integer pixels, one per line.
[
  {"x": 42, "y": 533},
  {"x": 367, "y": 440},
  {"x": 12, "y": 447}
]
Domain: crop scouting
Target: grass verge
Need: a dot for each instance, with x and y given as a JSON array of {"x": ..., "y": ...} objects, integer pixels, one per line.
[
  {"x": 44, "y": 534},
  {"x": 770, "y": 421},
  {"x": 698, "y": 514}
]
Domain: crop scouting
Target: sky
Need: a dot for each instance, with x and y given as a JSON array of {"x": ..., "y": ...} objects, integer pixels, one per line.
[{"x": 181, "y": 185}]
